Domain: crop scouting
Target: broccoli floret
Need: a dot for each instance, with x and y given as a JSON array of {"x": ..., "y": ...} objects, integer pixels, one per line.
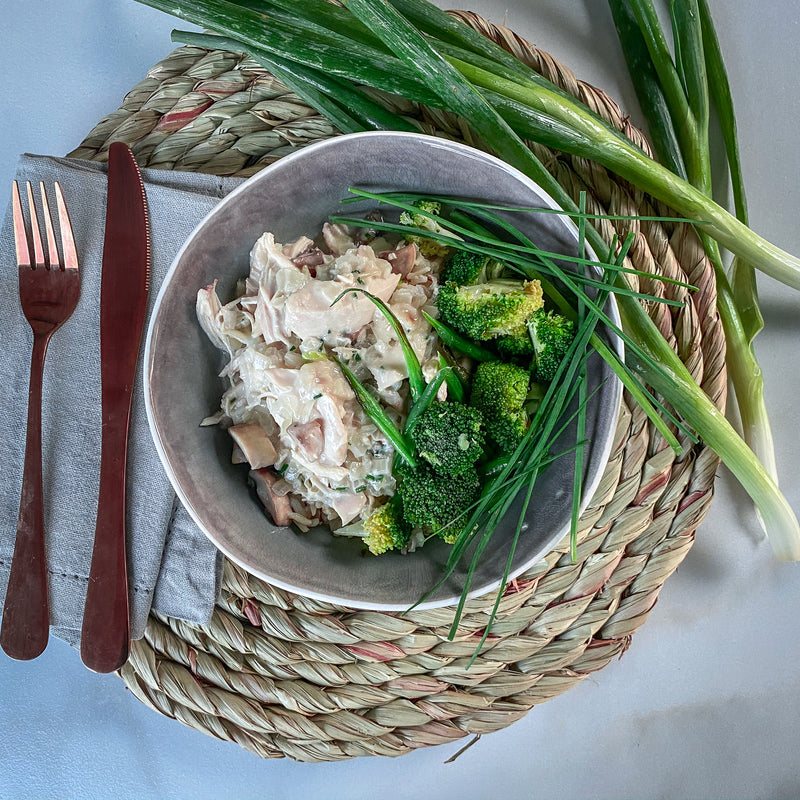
[
  {"x": 487, "y": 310},
  {"x": 429, "y": 206},
  {"x": 551, "y": 335},
  {"x": 386, "y": 528},
  {"x": 449, "y": 437},
  {"x": 428, "y": 247},
  {"x": 499, "y": 391},
  {"x": 466, "y": 269},
  {"x": 432, "y": 501},
  {"x": 519, "y": 346}
]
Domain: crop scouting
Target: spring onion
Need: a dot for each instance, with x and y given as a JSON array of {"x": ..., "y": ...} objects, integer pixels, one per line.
[
  {"x": 675, "y": 96},
  {"x": 419, "y": 71},
  {"x": 503, "y": 106},
  {"x": 416, "y": 381},
  {"x": 456, "y": 341},
  {"x": 376, "y": 413},
  {"x": 426, "y": 398}
]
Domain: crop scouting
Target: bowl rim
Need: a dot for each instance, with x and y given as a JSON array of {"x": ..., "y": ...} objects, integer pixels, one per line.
[{"x": 425, "y": 139}]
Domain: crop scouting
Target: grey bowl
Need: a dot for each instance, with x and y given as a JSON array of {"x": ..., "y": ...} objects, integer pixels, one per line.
[{"x": 294, "y": 196}]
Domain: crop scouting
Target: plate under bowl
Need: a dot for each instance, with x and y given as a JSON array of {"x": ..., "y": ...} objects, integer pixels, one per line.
[{"x": 294, "y": 196}]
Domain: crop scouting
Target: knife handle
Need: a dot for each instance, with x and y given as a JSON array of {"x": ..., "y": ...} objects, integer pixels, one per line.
[{"x": 105, "y": 636}]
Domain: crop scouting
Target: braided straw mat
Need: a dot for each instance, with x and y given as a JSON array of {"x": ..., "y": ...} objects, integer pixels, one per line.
[{"x": 283, "y": 675}]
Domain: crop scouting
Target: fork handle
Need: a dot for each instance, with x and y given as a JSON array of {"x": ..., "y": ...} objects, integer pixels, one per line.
[
  {"x": 26, "y": 615},
  {"x": 105, "y": 635}
]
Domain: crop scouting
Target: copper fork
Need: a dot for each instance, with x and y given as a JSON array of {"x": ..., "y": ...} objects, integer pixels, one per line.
[{"x": 49, "y": 288}]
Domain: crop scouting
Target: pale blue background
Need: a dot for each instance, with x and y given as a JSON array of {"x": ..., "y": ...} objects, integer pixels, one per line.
[{"x": 706, "y": 703}]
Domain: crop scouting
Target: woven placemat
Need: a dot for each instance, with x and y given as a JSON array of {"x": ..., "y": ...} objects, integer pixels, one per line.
[{"x": 283, "y": 675}]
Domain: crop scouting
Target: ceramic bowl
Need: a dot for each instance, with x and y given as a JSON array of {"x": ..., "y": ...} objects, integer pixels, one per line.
[{"x": 295, "y": 196}]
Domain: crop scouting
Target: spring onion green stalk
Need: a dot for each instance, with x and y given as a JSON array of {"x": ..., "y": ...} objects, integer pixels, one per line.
[
  {"x": 315, "y": 12},
  {"x": 712, "y": 427},
  {"x": 755, "y": 423},
  {"x": 683, "y": 89},
  {"x": 742, "y": 274},
  {"x": 376, "y": 413},
  {"x": 473, "y": 48},
  {"x": 455, "y": 386},
  {"x": 343, "y": 104},
  {"x": 417, "y": 72},
  {"x": 745, "y": 370},
  {"x": 426, "y": 398},
  {"x": 456, "y": 341},
  {"x": 416, "y": 381},
  {"x": 453, "y": 37},
  {"x": 630, "y": 163},
  {"x": 648, "y": 88}
]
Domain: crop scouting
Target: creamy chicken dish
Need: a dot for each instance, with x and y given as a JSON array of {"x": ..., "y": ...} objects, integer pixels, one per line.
[{"x": 315, "y": 456}]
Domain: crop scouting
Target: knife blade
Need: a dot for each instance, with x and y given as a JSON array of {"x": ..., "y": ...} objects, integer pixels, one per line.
[{"x": 125, "y": 281}]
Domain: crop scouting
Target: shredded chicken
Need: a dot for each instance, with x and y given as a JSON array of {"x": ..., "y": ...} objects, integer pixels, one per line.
[
  {"x": 309, "y": 312},
  {"x": 314, "y": 455}
]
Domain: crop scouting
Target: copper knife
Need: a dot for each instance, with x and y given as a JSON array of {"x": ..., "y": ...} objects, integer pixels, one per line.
[{"x": 105, "y": 636}]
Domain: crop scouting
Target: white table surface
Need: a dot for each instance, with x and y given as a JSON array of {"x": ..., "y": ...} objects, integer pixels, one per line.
[{"x": 704, "y": 704}]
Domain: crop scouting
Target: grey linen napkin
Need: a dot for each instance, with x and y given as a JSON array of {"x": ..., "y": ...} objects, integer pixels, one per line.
[{"x": 172, "y": 567}]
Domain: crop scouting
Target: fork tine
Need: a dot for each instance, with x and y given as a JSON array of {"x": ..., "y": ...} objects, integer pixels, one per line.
[
  {"x": 36, "y": 237},
  {"x": 65, "y": 227},
  {"x": 52, "y": 247},
  {"x": 20, "y": 236}
]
